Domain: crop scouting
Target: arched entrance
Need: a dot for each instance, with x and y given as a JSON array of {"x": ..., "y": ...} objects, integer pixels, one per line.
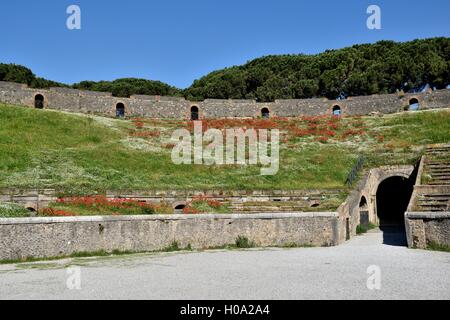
[
  {"x": 414, "y": 104},
  {"x": 120, "y": 110},
  {"x": 179, "y": 207},
  {"x": 265, "y": 113},
  {"x": 363, "y": 212},
  {"x": 337, "y": 111},
  {"x": 393, "y": 197},
  {"x": 194, "y": 113},
  {"x": 39, "y": 101}
]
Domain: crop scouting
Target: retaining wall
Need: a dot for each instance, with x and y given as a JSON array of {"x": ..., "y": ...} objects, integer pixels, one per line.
[
  {"x": 425, "y": 228},
  {"x": 178, "y": 108},
  {"x": 49, "y": 237}
]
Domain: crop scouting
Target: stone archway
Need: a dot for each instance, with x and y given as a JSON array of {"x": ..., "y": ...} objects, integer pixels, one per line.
[
  {"x": 393, "y": 195},
  {"x": 120, "y": 110},
  {"x": 265, "y": 113},
  {"x": 195, "y": 114},
  {"x": 363, "y": 212},
  {"x": 413, "y": 104},
  {"x": 39, "y": 101},
  {"x": 178, "y": 207},
  {"x": 392, "y": 199},
  {"x": 337, "y": 111}
]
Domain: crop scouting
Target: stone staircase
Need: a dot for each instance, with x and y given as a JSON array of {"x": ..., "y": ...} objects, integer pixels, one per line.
[
  {"x": 433, "y": 193},
  {"x": 432, "y": 201},
  {"x": 437, "y": 165}
]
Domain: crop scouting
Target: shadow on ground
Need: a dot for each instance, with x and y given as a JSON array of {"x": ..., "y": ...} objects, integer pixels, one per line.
[{"x": 394, "y": 235}]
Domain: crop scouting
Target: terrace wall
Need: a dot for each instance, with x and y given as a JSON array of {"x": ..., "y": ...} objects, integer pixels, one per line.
[
  {"x": 425, "y": 228},
  {"x": 104, "y": 103},
  {"x": 37, "y": 199},
  {"x": 50, "y": 237}
]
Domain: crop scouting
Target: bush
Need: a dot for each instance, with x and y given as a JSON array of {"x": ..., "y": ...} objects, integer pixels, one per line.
[
  {"x": 361, "y": 229},
  {"x": 12, "y": 210},
  {"x": 243, "y": 242}
]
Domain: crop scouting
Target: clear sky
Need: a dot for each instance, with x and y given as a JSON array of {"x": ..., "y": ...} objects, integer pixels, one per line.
[{"x": 178, "y": 41}]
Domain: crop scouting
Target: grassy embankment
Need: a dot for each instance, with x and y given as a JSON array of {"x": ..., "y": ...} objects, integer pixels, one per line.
[{"x": 87, "y": 154}]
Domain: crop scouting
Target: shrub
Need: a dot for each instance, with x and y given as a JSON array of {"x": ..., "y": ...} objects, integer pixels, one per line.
[
  {"x": 204, "y": 204},
  {"x": 244, "y": 242},
  {"x": 50, "y": 212},
  {"x": 12, "y": 210},
  {"x": 102, "y": 205},
  {"x": 438, "y": 247},
  {"x": 361, "y": 229}
]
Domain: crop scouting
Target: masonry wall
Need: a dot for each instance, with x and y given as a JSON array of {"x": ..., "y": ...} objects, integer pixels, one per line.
[
  {"x": 37, "y": 199},
  {"x": 425, "y": 228},
  {"x": 178, "y": 108},
  {"x": 50, "y": 237}
]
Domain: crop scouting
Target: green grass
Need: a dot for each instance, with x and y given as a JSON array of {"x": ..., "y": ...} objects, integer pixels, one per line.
[
  {"x": 438, "y": 247},
  {"x": 240, "y": 243},
  {"x": 243, "y": 242},
  {"x": 100, "y": 210},
  {"x": 99, "y": 253},
  {"x": 361, "y": 229},
  {"x": 80, "y": 154},
  {"x": 12, "y": 210}
]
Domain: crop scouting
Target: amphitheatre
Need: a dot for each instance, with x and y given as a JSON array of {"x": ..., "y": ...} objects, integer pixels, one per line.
[{"x": 335, "y": 180}]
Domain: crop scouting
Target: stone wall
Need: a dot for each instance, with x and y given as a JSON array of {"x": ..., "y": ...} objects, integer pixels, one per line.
[
  {"x": 268, "y": 199},
  {"x": 425, "y": 228},
  {"x": 22, "y": 238},
  {"x": 178, "y": 108}
]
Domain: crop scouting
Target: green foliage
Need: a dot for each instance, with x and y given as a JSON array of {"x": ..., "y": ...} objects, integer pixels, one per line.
[
  {"x": 365, "y": 69},
  {"x": 12, "y": 210},
  {"x": 20, "y": 74},
  {"x": 120, "y": 87},
  {"x": 383, "y": 67},
  {"x": 243, "y": 242},
  {"x": 433, "y": 246},
  {"x": 175, "y": 246},
  {"x": 129, "y": 86},
  {"x": 87, "y": 155},
  {"x": 361, "y": 229}
]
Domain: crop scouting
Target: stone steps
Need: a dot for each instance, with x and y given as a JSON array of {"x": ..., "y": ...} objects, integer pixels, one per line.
[
  {"x": 437, "y": 169},
  {"x": 446, "y": 171},
  {"x": 437, "y": 164},
  {"x": 433, "y": 202}
]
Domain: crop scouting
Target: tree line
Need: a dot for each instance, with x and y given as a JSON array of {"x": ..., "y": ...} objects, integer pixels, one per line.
[{"x": 382, "y": 67}]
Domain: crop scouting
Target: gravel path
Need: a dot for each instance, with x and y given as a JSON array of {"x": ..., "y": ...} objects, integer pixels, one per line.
[{"x": 303, "y": 273}]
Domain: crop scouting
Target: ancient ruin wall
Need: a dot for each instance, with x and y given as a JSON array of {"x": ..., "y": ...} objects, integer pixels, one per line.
[
  {"x": 104, "y": 103},
  {"x": 49, "y": 237},
  {"x": 426, "y": 228}
]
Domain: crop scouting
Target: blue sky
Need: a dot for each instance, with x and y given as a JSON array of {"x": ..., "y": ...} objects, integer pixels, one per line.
[{"x": 178, "y": 41}]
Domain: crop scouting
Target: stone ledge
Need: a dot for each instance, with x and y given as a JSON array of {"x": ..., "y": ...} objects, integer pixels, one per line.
[
  {"x": 48, "y": 220},
  {"x": 428, "y": 215}
]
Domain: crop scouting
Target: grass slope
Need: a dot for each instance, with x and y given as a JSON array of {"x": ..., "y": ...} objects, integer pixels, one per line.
[{"x": 81, "y": 154}]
